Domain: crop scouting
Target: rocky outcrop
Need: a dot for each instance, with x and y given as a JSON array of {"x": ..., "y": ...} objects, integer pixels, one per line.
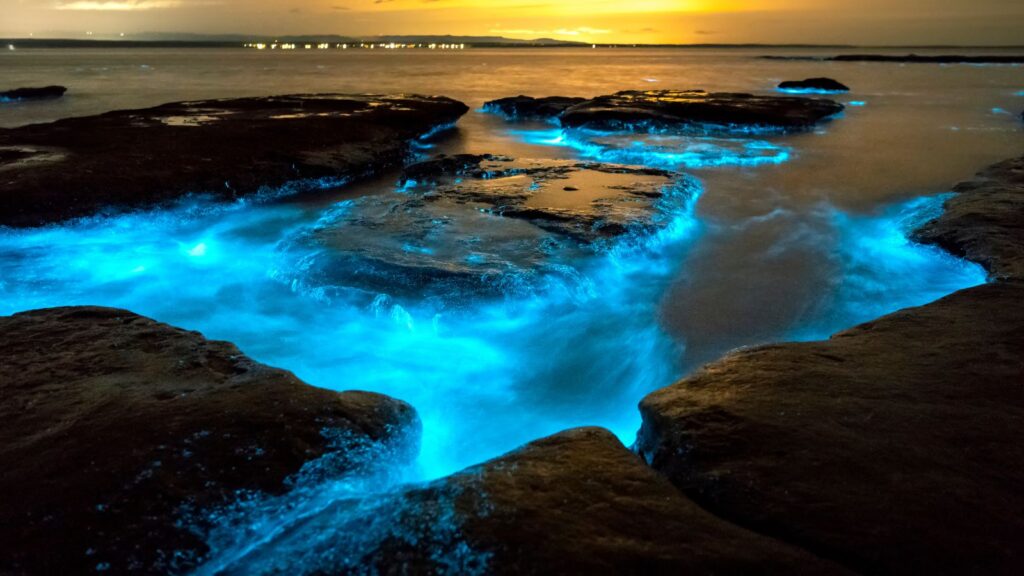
[
  {"x": 43, "y": 93},
  {"x": 528, "y": 107},
  {"x": 814, "y": 85},
  {"x": 671, "y": 108},
  {"x": 896, "y": 447},
  {"x": 575, "y": 503},
  {"x": 114, "y": 427},
  {"x": 695, "y": 110},
  {"x": 984, "y": 220},
  {"x": 226, "y": 148},
  {"x": 470, "y": 226}
]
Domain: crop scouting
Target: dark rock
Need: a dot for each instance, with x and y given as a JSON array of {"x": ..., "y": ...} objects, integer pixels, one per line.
[
  {"x": 435, "y": 169},
  {"x": 821, "y": 85},
  {"x": 896, "y": 447},
  {"x": 575, "y": 503},
  {"x": 984, "y": 221},
  {"x": 485, "y": 226},
  {"x": 44, "y": 93},
  {"x": 528, "y": 107},
  {"x": 226, "y": 148},
  {"x": 700, "y": 110},
  {"x": 113, "y": 427}
]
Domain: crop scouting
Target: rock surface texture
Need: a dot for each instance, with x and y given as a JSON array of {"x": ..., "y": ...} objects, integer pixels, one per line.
[
  {"x": 896, "y": 447},
  {"x": 984, "y": 221},
  {"x": 527, "y": 107},
  {"x": 466, "y": 226},
  {"x": 578, "y": 503},
  {"x": 226, "y": 148},
  {"x": 689, "y": 109},
  {"x": 43, "y": 93},
  {"x": 113, "y": 427}
]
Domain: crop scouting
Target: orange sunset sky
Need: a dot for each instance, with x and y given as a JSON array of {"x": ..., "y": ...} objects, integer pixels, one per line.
[{"x": 982, "y": 22}]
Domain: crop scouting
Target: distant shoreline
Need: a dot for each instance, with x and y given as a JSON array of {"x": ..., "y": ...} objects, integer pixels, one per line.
[{"x": 240, "y": 44}]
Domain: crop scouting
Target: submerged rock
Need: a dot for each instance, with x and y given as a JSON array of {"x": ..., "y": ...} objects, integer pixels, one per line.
[
  {"x": 696, "y": 109},
  {"x": 984, "y": 221},
  {"x": 484, "y": 225},
  {"x": 226, "y": 148},
  {"x": 575, "y": 503},
  {"x": 528, "y": 107},
  {"x": 44, "y": 93},
  {"x": 819, "y": 85},
  {"x": 114, "y": 428}
]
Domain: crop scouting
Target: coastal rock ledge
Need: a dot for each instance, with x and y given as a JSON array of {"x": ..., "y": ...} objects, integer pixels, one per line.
[
  {"x": 114, "y": 427},
  {"x": 896, "y": 447},
  {"x": 674, "y": 110},
  {"x": 226, "y": 148},
  {"x": 578, "y": 502}
]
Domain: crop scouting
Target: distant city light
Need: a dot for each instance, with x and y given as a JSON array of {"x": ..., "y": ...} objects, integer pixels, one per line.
[{"x": 365, "y": 46}]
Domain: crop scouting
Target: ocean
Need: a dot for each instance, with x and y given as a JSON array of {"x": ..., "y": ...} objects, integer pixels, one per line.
[{"x": 784, "y": 237}]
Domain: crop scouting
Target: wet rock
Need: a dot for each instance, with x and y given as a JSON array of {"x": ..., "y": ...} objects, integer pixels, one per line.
[
  {"x": 687, "y": 110},
  {"x": 114, "y": 427},
  {"x": 896, "y": 447},
  {"x": 697, "y": 109},
  {"x": 817, "y": 85},
  {"x": 44, "y": 93},
  {"x": 226, "y": 148},
  {"x": 528, "y": 107},
  {"x": 476, "y": 226},
  {"x": 432, "y": 171},
  {"x": 984, "y": 221},
  {"x": 575, "y": 503}
]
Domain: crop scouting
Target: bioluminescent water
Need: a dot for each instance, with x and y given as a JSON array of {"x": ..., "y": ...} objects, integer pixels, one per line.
[{"x": 767, "y": 237}]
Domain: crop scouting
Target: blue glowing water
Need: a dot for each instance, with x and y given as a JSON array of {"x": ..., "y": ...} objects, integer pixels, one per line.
[
  {"x": 667, "y": 151},
  {"x": 805, "y": 91},
  {"x": 795, "y": 236}
]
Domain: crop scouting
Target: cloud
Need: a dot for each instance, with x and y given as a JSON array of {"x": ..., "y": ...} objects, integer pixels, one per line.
[
  {"x": 580, "y": 31},
  {"x": 118, "y": 5}
]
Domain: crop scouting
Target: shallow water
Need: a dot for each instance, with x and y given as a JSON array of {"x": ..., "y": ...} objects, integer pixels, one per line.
[{"x": 783, "y": 236}]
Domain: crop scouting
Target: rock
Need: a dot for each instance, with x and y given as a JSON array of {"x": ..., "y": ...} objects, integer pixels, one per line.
[
  {"x": 44, "y": 93},
  {"x": 528, "y": 107},
  {"x": 697, "y": 109},
  {"x": 432, "y": 171},
  {"x": 575, "y": 503},
  {"x": 485, "y": 226},
  {"x": 814, "y": 85},
  {"x": 113, "y": 427},
  {"x": 896, "y": 447},
  {"x": 983, "y": 220},
  {"x": 226, "y": 148}
]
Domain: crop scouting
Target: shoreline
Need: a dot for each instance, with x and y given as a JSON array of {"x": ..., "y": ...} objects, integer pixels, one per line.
[{"x": 978, "y": 223}]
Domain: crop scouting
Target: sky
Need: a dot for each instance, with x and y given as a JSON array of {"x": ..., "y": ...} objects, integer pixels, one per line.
[{"x": 884, "y": 22}]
